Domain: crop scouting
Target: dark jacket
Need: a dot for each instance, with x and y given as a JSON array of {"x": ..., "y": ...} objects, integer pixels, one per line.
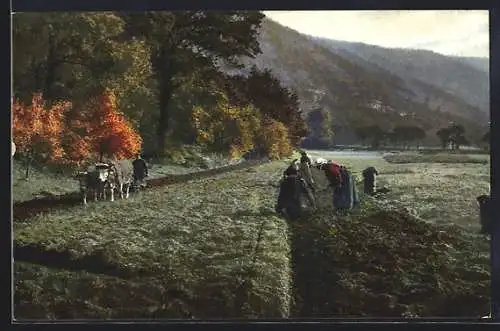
[
  {"x": 290, "y": 192},
  {"x": 292, "y": 170},
  {"x": 140, "y": 169}
]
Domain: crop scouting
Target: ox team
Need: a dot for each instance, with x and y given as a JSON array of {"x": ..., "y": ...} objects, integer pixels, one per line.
[{"x": 113, "y": 175}]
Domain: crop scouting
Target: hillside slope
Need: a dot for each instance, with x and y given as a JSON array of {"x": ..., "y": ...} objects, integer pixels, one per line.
[
  {"x": 465, "y": 78},
  {"x": 358, "y": 89}
]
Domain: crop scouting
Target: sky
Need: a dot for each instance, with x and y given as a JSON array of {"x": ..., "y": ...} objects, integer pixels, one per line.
[{"x": 449, "y": 32}]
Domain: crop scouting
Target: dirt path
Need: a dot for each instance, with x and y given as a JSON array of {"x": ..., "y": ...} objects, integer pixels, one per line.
[{"x": 26, "y": 209}]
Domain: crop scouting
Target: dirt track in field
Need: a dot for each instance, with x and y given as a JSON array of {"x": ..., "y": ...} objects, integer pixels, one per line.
[
  {"x": 26, "y": 209},
  {"x": 94, "y": 263}
]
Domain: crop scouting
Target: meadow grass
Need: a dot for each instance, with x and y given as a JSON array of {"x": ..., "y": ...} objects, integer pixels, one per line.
[
  {"x": 437, "y": 192},
  {"x": 200, "y": 236},
  {"x": 42, "y": 183},
  {"x": 437, "y": 158},
  {"x": 198, "y": 240},
  {"x": 39, "y": 183}
]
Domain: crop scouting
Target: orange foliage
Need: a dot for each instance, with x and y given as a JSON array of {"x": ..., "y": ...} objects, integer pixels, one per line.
[
  {"x": 38, "y": 129},
  {"x": 276, "y": 141},
  {"x": 105, "y": 130},
  {"x": 77, "y": 148},
  {"x": 73, "y": 137}
]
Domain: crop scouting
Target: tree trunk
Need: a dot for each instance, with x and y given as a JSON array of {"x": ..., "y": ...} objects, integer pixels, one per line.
[
  {"x": 164, "y": 66},
  {"x": 50, "y": 74},
  {"x": 29, "y": 157},
  {"x": 162, "y": 128}
]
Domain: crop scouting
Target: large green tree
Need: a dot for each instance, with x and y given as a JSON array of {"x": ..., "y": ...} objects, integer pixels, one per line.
[
  {"x": 75, "y": 56},
  {"x": 406, "y": 134},
  {"x": 454, "y": 134},
  {"x": 181, "y": 43},
  {"x": 321, "y": 126},
  {"x": 372, "y": 133},
  {"x": 444, "y": 136}
]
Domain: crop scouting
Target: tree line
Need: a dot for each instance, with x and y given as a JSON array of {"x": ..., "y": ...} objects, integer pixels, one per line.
[
  {"x": 167, "y": 76},
  {"x": 404, "y": 136}
]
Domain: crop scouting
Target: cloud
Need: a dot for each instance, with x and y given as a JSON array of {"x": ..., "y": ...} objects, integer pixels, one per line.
[{"x": 460, "y": 32}]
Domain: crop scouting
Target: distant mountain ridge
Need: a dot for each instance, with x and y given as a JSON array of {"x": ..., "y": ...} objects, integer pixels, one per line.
[
  {"x": 480, "y": 63},
  {"x": 467, "y": 78},
  {"x": 363, "y": 84}
]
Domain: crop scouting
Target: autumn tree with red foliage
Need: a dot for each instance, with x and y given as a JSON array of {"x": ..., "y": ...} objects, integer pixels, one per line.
[
  {"x": 72, "y": 137},
  {"x": 99, "y": 130},
  {"x": 37, "y": 131}
]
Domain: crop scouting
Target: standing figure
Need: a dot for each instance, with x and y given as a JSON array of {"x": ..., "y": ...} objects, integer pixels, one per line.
[
  {"x": 369, "y": 180},
  {"x": 140, "y": 172}
]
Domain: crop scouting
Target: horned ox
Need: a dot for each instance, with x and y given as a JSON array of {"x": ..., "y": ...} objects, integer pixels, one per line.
[
  {"x": 93, "y": 180},
  {"x": 120, "y": 177}
]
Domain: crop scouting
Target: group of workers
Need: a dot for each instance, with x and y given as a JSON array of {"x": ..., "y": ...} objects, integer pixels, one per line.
[{"x": 298, "y": 182}]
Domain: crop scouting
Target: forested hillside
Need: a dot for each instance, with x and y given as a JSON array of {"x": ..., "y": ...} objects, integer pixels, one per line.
[{"x": 362, "y": 85}]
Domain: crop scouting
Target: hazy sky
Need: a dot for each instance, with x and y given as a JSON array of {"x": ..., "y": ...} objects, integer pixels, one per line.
[{"x": 451, "y": 32}]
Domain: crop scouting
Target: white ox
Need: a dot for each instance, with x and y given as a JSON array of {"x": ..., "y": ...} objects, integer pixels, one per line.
[
  {"x": 121, "y": 176},
  {"x": 93, "y": 180}
]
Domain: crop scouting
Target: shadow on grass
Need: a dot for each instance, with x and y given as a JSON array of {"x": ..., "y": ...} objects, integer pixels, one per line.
[
  {"x": 310, "y": 296},
  {"x": 261, "y": 212},
  {"x": 94, "y": 263}
]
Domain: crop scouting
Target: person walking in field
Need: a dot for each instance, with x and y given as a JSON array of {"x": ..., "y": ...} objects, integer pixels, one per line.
[
  {"x": 140, "y": 171},
  {"x": 292, "y": 190},
  {"x": 369, "y": 180}
]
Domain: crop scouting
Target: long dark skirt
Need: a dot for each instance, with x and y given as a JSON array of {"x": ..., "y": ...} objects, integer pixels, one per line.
[{"x": 346, "y": 196}]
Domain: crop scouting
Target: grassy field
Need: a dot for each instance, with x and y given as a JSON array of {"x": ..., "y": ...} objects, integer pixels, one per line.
[
  {"x": 42, "y": 183},
  {"x": 189, "y": 247},
  {"x": 437, "y": 158},
  {"x": 437, "y": 192},
  {"x": 39, "y": 183},
  {"x": 200, "y": 237}
]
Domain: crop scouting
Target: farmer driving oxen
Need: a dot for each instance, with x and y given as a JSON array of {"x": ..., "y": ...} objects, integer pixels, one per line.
[{"x": 140, "y": 171}]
